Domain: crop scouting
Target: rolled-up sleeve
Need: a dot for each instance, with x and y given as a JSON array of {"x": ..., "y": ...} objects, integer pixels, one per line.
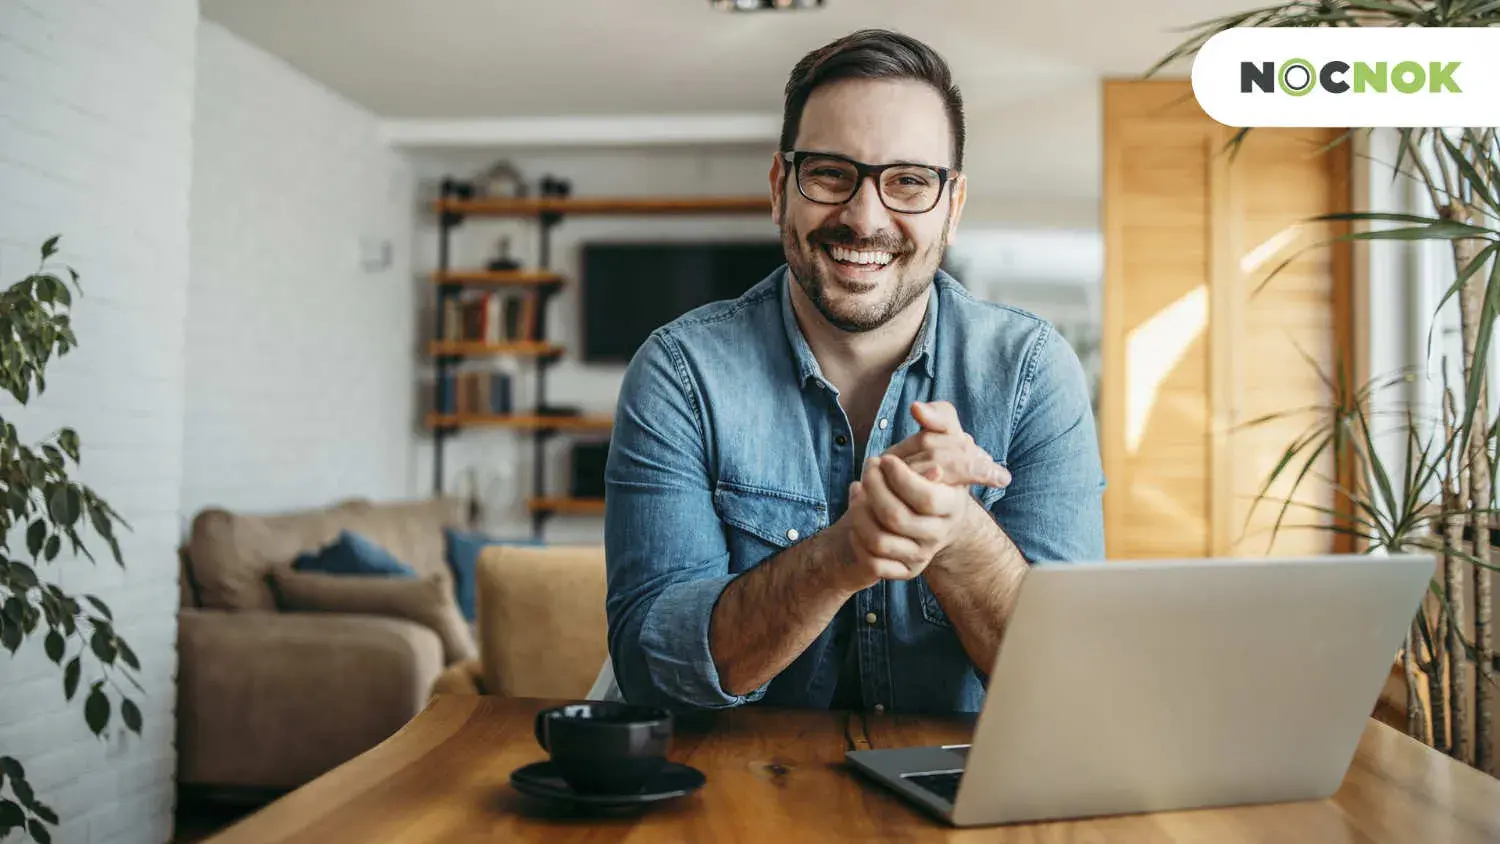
[
  {"x": 667, "y": 556},
  {"x": 1053, "y": 509}
]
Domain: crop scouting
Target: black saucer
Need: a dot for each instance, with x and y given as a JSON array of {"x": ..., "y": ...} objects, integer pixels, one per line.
[{"x": 541, "y": 779}]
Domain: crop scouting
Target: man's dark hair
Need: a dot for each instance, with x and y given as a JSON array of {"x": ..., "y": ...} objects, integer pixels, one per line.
[{"x": 872, "y": 54}]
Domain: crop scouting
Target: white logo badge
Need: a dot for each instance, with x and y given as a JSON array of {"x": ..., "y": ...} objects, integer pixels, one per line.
[{"x": 1350, "y": 77}]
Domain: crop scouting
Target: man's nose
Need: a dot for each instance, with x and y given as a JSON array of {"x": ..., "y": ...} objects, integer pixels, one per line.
[{"x": 864, "y": 212}]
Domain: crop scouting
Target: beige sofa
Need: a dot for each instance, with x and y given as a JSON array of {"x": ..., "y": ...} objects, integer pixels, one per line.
[{"x": 268, "y": 700}]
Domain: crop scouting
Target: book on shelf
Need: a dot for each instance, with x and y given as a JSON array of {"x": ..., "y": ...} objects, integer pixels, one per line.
[
  {"x": 475, "y": 394},
  {"x": 488, "y": 317}
]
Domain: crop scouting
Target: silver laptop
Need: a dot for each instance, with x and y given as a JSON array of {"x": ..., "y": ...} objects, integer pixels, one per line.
[{"x": 1149, "y": 686}]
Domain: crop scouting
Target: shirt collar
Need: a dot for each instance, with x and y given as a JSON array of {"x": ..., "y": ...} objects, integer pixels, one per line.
[{"x": 922, "y": 351}]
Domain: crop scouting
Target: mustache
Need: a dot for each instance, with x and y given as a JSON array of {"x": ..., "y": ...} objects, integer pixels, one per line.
[{"x": 842, "y": 235}]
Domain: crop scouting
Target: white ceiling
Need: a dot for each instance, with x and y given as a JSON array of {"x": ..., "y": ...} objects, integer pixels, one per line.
[
  {"x": 510, "y": 58},
  {"x": 1029, "y": 71}
]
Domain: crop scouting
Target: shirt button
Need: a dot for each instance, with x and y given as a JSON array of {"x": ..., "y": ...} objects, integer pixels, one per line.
[
  {"x": 883, "y": 423},
  {"x": 841, "y": 439},
  {"x": 879, "y": 709},
  {"x": 792, "y": 534},
  {"x": 871, "y": 617}
]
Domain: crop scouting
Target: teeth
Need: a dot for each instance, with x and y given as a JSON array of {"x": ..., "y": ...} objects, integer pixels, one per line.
[{"x": 850, "y": 256}]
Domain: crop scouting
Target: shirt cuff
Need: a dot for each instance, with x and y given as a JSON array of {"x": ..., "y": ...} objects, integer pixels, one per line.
[{"x": 674, "y": 639}]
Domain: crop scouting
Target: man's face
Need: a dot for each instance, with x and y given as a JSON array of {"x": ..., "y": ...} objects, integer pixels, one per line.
[{"x": 860, "y": 263}]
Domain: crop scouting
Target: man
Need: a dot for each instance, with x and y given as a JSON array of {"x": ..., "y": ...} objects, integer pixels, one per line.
[{"x": 803, "y": 508}]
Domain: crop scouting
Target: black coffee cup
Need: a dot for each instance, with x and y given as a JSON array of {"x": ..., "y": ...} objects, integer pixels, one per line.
[{"x": 605, "y": 747}]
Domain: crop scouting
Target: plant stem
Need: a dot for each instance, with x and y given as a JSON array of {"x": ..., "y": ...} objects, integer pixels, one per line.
[
  {"x": 1480, "y": 497},
  {"x": 1444, "y": 638},
  {"x": 1475, "y": 498},
  {"x": 1417, "y": 725}
]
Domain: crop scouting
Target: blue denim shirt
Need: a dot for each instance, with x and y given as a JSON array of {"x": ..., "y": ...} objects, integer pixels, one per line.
[{"x": 729, "y": 446}]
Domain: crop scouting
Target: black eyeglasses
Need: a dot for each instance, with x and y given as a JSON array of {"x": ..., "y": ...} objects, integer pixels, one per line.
[{"x": 830, "y": 179}]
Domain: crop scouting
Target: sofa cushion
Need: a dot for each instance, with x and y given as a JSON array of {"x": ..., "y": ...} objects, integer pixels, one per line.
[
  {"x": 230, "y": 554},
  {"x": 424, "y": 600},
  {"x": 352, "y": 554},
  {"x": 463, "y": 558},
  {"x": 412, "y": 530},
  {"x": 542, "y": 625}
]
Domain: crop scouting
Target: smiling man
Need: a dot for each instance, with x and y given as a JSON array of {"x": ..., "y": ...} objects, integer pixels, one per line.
[{"x": 826, "y": 492}]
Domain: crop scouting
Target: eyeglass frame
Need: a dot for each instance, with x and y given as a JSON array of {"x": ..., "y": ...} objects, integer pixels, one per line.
[{"x": 863, "y": 171}]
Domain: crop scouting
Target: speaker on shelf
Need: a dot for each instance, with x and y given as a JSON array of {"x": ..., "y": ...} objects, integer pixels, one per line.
[{"x": 588, "y": 469}]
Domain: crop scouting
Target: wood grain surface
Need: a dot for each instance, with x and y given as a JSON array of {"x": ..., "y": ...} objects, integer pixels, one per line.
[{"x": 779, "y": 776}]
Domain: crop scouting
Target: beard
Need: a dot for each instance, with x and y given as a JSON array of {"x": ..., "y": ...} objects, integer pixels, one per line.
[{"x": 860, "y": 307}]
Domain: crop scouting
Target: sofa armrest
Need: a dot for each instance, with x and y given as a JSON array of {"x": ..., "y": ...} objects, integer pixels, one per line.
[{"x": 273, "y": 700}]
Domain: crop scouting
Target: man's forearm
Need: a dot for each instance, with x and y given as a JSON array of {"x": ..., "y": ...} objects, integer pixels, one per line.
[
  {"x": 976, "y": 580},
  {"x": 768, "y": 616}
]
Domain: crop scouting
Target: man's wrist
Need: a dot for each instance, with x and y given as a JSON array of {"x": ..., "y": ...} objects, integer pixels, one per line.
[
  {"x": 977, "y": 531},
  {"x": 831, "y": 565}
]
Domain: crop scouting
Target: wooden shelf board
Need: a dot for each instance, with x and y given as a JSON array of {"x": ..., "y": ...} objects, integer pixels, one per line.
[
  {"x": 500, "y": 207},
  {"x": 469, "y": 348},
  {"x": 568, "y": 506},
  {"x": 520, "y": 421},
  {"x": 490, "y": 278}
]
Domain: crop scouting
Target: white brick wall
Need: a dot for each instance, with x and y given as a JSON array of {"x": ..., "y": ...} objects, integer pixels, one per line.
[
  {"x": 301, "y": 365},
  {"x": 95, "y": 144}
]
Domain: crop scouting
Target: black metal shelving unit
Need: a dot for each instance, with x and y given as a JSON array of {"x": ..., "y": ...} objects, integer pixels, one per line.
[
  {"x": 445, "y": 364},
  {"x": 548, "y": 213}
]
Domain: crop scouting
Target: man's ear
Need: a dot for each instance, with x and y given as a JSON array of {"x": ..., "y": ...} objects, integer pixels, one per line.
[
  {"x": 778, "y": 182},
  {"x": 960, "y": 194}
]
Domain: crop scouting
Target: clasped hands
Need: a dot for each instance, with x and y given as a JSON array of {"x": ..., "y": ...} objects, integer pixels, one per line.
[{"x": 913, "y": 501}]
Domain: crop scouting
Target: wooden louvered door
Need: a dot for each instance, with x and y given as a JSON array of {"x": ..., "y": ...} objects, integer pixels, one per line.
[{"x": 1192, "y": 349}]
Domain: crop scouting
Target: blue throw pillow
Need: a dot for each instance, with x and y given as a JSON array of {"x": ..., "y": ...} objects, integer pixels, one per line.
[
  {"x": 463, "y": 557},
  {"x": 351, "y": 553}
]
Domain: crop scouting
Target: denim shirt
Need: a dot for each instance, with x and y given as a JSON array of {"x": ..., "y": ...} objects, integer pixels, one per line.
[{"x": 729, "y": 446}]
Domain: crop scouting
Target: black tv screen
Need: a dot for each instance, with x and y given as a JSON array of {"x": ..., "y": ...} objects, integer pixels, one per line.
[{"x": 630, "y": 289}]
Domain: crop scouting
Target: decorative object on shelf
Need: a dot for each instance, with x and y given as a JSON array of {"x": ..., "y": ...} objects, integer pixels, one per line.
[
  {"x": 503, "y": 180},
  {"x": 456, "y": 189},
  {"x": 47, "y": 506},
  {"x": 503, "y": 260},
  {"x": 554, "y": 187}
]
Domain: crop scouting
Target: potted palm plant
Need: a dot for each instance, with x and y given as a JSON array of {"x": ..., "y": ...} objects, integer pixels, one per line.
[
  {"x": 40, "y": 502},
  {"x": 1439, "y": 493}
]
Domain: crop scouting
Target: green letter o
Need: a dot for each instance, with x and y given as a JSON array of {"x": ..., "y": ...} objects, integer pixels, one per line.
[{"x": 1312, "y": 77}]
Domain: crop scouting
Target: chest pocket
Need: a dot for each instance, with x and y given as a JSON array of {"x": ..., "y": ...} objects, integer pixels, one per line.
[
  {"x": 932, "y": 611},
  {"x": 759, "y": 522}
]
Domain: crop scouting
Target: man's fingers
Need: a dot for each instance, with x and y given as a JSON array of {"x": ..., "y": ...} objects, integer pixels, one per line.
[
  {"x": 884, "y": 506},
  {"x": 927, "y": 469},
  {"x": 1002, "y": 476},
  {"x": 918, "y": 493},
  {"x": 893, "y": 514},
  {"x": 880, "y": 545},
  {"x": 937, "y": 416},
  {"x": 986, "y": 471}
]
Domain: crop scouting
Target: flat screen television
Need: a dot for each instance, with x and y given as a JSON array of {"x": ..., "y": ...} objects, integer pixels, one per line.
[{"x": 630, "y": 289}]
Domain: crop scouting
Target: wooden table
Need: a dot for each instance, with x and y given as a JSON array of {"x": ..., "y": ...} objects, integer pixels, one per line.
[{"x": 778, "y": 776}]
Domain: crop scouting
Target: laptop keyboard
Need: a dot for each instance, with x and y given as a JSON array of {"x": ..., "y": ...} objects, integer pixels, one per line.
[{"x": 943, "y": 784}]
